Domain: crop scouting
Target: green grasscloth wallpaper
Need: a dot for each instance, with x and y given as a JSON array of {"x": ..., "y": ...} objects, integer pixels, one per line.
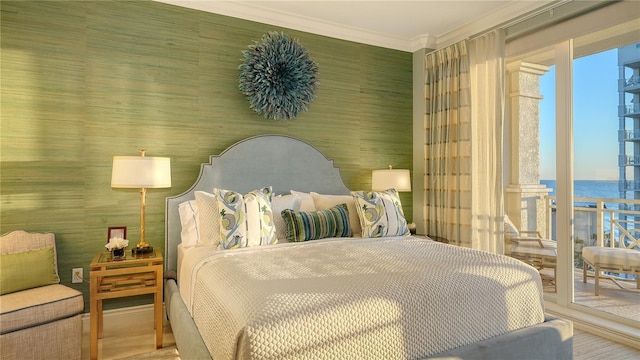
[{"x": 84, "y": 81}]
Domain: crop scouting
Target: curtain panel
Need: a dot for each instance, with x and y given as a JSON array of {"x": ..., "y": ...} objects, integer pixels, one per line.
[
  {"x": 487, "y": 70},
  {"x": 464, "y": 94},
  {"x": 447, "y": 197}
]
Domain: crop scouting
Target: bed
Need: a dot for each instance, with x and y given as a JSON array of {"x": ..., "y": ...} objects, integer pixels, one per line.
[{"x": 348, "y": 296}]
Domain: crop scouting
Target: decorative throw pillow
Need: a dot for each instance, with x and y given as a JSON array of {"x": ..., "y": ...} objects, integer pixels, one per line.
[
  {"x": 380, "y": 213},
  {"x": 208, "y": 217},
  {"x": 312, "y": 225},
  {"x": 323, "y": 202},
  {"x": 245, "y": 220},
  {"x": 190, "y": 224},
  {"x": 27, "y": 269},
  {"x": 279, "y": 203}
]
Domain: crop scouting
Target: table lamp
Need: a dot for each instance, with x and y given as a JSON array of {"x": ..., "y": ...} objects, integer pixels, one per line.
[
  {"x": 398, "y": 179},
  {"x": 144, "y": 173}
]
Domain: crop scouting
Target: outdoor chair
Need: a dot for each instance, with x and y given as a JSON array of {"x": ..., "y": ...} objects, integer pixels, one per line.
[
  {"x": 530, "y": 247},
  {"x": 612, "y": 259}
]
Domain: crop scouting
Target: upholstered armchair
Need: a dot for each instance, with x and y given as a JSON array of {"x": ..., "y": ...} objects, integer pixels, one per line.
[{"x": 39, "y": 318}]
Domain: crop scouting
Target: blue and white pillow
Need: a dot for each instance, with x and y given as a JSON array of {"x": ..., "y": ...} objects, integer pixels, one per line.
[
  {"x": 380, "y": 213},
  {"x": 245, "y": 220}
]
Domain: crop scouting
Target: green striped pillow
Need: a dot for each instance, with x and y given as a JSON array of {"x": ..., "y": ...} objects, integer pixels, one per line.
[{"x": 312, "y": 225}]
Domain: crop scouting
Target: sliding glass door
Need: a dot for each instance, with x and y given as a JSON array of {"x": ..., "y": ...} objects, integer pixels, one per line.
[{"x": 588, "y": 115}]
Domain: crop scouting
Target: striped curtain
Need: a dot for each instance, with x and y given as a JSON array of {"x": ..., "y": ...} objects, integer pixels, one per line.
[{"x": 447, "y": 197}]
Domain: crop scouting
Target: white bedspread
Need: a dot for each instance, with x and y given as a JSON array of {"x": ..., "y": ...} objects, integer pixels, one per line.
[{"x": 392, "y": 298}]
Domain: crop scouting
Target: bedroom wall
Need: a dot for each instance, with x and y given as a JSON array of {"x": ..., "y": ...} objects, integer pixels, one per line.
[{"x": 84, "y": 81}]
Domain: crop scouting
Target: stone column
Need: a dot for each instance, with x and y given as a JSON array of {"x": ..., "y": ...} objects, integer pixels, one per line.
[{"x": 524, "y": 198}]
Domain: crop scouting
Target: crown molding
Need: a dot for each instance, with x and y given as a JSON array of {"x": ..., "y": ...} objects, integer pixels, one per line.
[
  {"x": 254, "y": 12},
  {"x": 424, "y": 42},
  {"x": 501, "y": 17}
]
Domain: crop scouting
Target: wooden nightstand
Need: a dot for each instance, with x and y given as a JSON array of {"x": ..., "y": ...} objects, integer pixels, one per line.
[{"x": 135, "y": 275}]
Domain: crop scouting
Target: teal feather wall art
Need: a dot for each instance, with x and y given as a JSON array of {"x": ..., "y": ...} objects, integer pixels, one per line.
[{"x": 278, "y": 77}]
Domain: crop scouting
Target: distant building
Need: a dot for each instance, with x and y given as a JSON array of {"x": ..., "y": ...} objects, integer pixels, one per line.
[{"x": 629, "y": 122}]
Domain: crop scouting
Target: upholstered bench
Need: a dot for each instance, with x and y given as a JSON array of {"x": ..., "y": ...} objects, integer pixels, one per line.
[
  {"x": 618, "y": 260},
  {"x": 39, "y": 318}
]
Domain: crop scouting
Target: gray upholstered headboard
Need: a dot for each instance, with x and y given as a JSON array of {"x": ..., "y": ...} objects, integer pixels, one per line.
[{"x": 283, "y": 162}]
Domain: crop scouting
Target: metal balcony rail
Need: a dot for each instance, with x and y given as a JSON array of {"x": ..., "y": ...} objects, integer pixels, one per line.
[
  {"x": 628, "y": 135},
  {"x": 616, "y": 226},
  {"x": 628, "y": 185},
  {"x": 631, "y": 109},
  {"x": 629, "y": 231},
  {"x": 624, "y": 160},
  {"x": 633, "y": 80}
]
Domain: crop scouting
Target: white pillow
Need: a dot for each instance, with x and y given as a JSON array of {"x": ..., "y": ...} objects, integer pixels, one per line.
[
  {"x": 278, "y": 204},
  {"x": 326, "y": 202},
  {"x": 245, "y": 220},
  {"x": 190, "y": 233},
  {"x": 306, "y": 201},
  {"x": 209, "y": 218}
]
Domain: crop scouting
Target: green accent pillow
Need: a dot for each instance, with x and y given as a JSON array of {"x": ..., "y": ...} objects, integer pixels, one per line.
[
  {"x": 27, "y": 269},
  {"x": 312, "y": 225}
]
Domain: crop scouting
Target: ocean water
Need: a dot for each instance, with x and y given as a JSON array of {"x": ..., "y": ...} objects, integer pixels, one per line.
[{"x": 607, "y": 189}]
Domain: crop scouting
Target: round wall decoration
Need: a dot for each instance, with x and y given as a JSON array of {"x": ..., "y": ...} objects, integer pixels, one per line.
[{"x": 278, "y": 77}]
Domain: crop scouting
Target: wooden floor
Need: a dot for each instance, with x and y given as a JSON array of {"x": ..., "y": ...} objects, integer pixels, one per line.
[
  {"x": 138, "y": 344},
  {"x": 613, "y": 300},
  {"x": 126, "y": 342},
  {"x": 590, "y": 347}
]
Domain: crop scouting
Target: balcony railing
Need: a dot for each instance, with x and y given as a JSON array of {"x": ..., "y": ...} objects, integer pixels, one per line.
[
  {"x": 628, "y": 185},
  {"x": 600, "y": 222},
  {"x": 632, "y": 81},
  {"x": 628, "y": 160},
  {"x": 624, "y": 135},
  {"x": 628, "y": 110},
  {"x": 614, "y": 225}
]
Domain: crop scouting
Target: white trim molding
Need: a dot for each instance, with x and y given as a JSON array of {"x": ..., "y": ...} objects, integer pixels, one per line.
[
  {"x": 253, "y": 11},
  {"x": 596, "y": 325}
]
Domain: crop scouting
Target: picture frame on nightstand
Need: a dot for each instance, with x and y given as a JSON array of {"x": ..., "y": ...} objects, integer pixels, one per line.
[{"x": 116, "y": 231}]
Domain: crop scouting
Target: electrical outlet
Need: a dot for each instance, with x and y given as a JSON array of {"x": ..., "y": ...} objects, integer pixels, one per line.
[{"x": 76, "y": 275}]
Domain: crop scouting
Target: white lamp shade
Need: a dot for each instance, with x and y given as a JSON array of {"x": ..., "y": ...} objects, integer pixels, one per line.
[
  {"x": 141, "y": 172},
  {"x": 398, "y": 179}
]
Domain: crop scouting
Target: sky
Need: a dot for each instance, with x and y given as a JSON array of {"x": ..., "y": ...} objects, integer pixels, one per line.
[{"x": 595, "y": 118}]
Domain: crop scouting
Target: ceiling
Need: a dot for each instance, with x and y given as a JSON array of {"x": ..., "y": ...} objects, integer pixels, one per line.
[{"x": 402, "y": 25}]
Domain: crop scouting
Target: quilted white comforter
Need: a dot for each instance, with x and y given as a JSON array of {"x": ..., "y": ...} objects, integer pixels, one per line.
[{"x": 392, "y": 298}]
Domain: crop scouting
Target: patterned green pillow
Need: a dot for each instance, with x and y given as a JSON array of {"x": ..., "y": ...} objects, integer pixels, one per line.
[
  {"x": 245, "y": 220},
  {"x": 380, "y": 213},
  {"x": 312, "y": 225},
  {"x": 27, "y": 269}
]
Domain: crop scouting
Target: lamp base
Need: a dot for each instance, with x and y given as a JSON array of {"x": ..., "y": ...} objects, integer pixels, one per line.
[{"x": 142, "y": 250}]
